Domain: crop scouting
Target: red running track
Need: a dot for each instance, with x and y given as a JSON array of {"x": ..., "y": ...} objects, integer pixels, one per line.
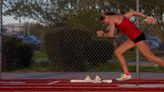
[{"x": 65, "y": 85}]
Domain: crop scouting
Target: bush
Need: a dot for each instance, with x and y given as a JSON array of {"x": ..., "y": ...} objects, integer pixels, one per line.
[
  {"x": 9, "y": 45},
  {"x": 88, "y": 19},
  {"x": 24, "y": 53},
  {"x": 99, "y": 52},
  {"x": 14, "y": 51},
  {"x": 72, "y": 49},
  {"x": 66, "y": 46}
]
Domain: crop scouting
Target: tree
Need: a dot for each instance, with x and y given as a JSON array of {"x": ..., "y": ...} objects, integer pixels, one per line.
[
  {"x": 44, "y": 11},
  {"x": 56, "y": 10},
  {"x": 51, "y": 12}
]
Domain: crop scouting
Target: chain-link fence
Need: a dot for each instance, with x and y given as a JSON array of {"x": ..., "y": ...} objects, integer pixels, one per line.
[{"x": 60, "y": 35}]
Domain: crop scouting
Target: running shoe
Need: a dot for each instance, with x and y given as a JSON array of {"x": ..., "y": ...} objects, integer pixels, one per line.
[{"x": 124, "y": 77}]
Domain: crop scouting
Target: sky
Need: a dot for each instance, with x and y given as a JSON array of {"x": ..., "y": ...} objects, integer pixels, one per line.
[{"x": 9, "y": 20}]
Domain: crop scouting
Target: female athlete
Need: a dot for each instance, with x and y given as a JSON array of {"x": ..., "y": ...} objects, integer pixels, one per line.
[{"x": 135, "y": 35}]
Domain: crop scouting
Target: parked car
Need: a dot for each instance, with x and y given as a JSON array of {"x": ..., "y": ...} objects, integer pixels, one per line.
[
  {"x": 154, "y": 42},
  {"x": 31, "y": 39}
]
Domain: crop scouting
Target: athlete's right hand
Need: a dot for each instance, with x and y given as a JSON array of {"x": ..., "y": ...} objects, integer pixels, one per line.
[
  {"x": 151, "y": 20},
  {"x": 100, "y": 33}
]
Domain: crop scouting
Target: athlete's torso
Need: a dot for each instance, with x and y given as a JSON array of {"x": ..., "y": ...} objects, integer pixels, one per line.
[{"x": 128, "y": 28}]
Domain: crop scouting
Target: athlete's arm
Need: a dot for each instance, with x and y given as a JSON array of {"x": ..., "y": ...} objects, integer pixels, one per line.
[
  {"x": 135, "y": 13},
  {"x": 111, "y": 32},
  {"x": 149, "y": 20},
  {"x": 100, "y": 33}
]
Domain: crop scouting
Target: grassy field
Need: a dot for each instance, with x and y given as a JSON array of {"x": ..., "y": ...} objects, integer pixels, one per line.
[
  {"x": 40, "y": 55},
  {"x": 115, "y": 67},
  {"x": 128, "y": 55},
  {"x": 108, "y": 67}
]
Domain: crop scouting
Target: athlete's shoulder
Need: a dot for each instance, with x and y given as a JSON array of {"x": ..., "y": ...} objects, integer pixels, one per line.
[
  {"x": 129, "y": 14},
  {"x": 117, "y": 18},
  {"x": 114, "y": 18}
]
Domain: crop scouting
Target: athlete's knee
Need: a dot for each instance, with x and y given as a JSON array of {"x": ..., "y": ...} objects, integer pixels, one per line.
[{"x": 117, "y": 52}]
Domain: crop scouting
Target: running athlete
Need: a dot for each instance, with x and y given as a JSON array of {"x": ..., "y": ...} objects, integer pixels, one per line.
[{"x": 135, "y": 38}]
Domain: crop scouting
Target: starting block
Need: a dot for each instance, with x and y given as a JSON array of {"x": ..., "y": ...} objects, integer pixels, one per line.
[{"x": 88, "y": 79}]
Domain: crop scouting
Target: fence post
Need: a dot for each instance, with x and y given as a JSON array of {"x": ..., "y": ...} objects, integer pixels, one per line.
[
  {"x": 137, "y": 51},
  {"x": 1, "y": 28}
]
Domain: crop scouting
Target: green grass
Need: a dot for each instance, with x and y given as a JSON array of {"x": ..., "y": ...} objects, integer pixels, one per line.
[
  {"x": 40, "y": 55},
  {"x": 108, "y": 67},
  {"x": 38, "y": 67},
  {"x": 41, "y": 69},
  {"x": 128, "y": 55},
  {"x": 96, "y": 69},
  {"x": 115, "y": 67}
]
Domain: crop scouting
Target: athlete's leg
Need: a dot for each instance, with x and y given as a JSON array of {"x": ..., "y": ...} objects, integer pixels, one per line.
[
  {"x": 145, "y": 50},
  {"x": 119, "y": 54}
]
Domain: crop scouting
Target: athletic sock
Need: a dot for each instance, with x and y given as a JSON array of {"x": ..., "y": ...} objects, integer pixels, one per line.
[{"x": 127, "y": 73}]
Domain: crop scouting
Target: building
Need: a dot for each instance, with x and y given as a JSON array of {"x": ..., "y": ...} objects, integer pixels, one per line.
[{"x": 16, "y": 28}]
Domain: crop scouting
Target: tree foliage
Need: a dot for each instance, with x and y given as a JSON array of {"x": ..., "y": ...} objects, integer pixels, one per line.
[
  {"x": 51, "y": 11},
  {"x": 44, "y": 11}
]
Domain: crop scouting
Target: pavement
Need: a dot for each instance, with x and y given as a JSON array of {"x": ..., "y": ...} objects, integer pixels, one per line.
[{"x": 76, "y": 75}]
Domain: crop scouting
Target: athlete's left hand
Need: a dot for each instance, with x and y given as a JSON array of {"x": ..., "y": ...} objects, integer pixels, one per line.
[
  {"x": 150, "y": 20},
  {"x": 100, "y": 33}
]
